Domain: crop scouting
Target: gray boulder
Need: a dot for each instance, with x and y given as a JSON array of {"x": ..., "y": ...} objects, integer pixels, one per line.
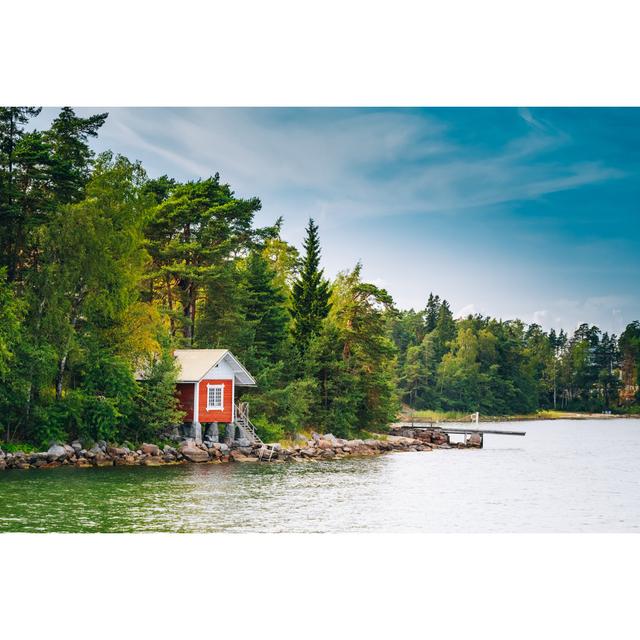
[
  {"x": 475, "y": 440},
  {"x": 56, "y": 452},
  {"x": 151, "y": 449},
  {"x": 194, "y": 454},
  {"x": 117, "y": 451}
]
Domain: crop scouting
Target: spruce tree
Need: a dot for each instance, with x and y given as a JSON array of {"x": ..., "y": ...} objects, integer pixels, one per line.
[
  {"x": 431, "y": 312},
  {"x": 310, "y": 300},
  {"x": 156, "y": 405},
  {"x": 265, "y": 309}
]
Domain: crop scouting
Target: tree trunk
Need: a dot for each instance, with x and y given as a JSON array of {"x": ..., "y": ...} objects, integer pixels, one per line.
[
  {"x": 170, "y": 305},
  {"x": 30, "y": 383},
  {"x": 183, "y": 285},
  {"x": 193, "y": 314},
  {"x": 62, "y": 363},
  {"x": 60, "y": 376},
  {"x": 326, "y": 392}
]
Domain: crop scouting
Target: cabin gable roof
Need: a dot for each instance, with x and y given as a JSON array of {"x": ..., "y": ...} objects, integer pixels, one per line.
[{"x": 194, "y": 364}]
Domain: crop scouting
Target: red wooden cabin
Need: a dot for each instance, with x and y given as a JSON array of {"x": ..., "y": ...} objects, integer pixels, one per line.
[{"x": 206, "y": 387}]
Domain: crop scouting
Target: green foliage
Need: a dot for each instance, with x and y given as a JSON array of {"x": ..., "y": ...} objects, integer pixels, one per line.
[
  {"x": 13, "y": 447},
  {"x": 156, "y": 405},
  {"x": 195, "y": 230},
  {"x": 269, "y": 431},
  {"x": 629, "y": 346},
  {"x": 280, "y": 402},
  {"x": 500, "y": 368},
  {"x": 264, "y": 310},
  {"x": 10, "y": 318},
  {"x": 353, "y": 359}
]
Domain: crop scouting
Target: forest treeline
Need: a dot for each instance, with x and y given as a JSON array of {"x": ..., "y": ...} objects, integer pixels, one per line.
[{"x": 104, "y": 271}]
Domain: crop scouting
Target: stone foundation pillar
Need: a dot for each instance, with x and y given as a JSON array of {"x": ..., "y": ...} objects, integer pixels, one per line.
[
  {"x": 197, "y": 432},
  {"x": 212, "y": 433}
]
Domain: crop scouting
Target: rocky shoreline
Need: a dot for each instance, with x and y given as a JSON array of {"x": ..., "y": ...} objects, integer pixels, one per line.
[{"x": 319, "y": 447}]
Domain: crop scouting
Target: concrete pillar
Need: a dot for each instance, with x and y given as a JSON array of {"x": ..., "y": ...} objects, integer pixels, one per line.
[
  {"x": 197, "y": 432},
  {"x": 212, "y": 432},
  {"x": 230, "y": 433}
]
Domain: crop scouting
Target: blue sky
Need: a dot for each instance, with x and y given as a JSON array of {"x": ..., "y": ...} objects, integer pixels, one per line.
[{"x": 530, "y": 213}]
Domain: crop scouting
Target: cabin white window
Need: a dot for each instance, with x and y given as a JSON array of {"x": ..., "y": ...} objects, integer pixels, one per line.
[{"x": 215, "y": 397}]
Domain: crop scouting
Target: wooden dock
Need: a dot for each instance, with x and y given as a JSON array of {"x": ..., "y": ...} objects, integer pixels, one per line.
[
  {"x": 473, "y": 434},
  {"x": 459, "y": 429}
]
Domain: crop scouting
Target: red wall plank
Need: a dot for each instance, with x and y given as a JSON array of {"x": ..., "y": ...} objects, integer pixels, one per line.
[
  {"x": 226, "y": 415},
  {"x": 184, "y": 391}
]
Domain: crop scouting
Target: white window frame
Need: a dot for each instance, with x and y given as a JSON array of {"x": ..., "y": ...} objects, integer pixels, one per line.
[{"x": 211, "y": 407}]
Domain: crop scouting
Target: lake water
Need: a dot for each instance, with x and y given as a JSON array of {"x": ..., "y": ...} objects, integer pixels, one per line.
[{"x": 564, "y": 476}]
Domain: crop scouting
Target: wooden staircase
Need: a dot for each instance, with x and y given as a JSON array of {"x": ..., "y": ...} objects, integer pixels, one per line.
[{"x": 249, "y": 430}]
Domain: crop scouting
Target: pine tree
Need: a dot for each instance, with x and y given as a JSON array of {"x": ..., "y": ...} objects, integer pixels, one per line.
[
  {"x": 68, "y": 137},
  {"x": 194, "y": 234},
  {"x": 310, "y": 300},
  {"x": 431, "y": 312},
  {"x": 12, "y": 120}
]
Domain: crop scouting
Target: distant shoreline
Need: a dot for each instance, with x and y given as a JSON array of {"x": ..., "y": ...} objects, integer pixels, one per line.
[{"x": 427, "y": 416}]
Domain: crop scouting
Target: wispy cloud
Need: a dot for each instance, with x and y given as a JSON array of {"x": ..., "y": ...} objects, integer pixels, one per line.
[
  {"x": 347, "y": 163},
  {"x": 468, "y": 309}
]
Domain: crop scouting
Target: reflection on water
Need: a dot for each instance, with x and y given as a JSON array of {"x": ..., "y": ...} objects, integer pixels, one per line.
[{"x": 563, "y": 476}]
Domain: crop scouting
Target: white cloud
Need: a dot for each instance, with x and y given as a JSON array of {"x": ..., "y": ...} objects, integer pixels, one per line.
[
  {"x": 540, "y": 317},
  {"x": 469, "y": 309}
]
